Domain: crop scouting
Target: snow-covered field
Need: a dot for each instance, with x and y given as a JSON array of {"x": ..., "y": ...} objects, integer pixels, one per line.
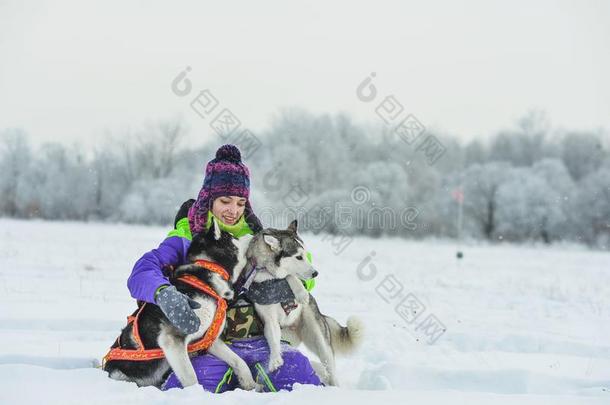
[{"x": 523, "y": 325}]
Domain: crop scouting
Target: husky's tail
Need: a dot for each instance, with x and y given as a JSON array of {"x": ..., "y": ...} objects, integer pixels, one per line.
[{"x": 345, "y": 339}]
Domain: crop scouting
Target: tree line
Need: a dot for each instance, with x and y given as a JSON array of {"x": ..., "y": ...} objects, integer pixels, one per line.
[{"x": 527, "y": 183}]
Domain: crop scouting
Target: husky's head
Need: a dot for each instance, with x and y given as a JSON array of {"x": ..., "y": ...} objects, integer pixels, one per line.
[
  {"x": 220, "y": 247},
  {"x": 282, "y": 252}
]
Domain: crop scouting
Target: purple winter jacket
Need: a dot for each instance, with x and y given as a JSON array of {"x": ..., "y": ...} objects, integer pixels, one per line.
[{"x": 147, "y": 274}]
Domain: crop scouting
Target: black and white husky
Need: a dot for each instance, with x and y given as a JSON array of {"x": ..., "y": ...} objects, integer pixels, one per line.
[
  {"x": 157, "y": 332},
  {"x": 280, "y": 254}
]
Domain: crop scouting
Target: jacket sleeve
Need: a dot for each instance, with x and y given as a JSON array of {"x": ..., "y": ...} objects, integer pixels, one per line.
[
  {"x": 311, "y": 283},
  {"x": 147, "y": 274}
]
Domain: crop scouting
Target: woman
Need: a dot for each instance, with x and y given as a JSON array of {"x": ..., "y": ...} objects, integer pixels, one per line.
[{"x": 224, "y": 196}]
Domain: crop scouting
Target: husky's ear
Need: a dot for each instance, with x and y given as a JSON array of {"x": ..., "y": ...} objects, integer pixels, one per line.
[
  {"x": 273, "y": 242},
  {"x": 293, "y": 226},
  {"x": 215, "y": 228}
]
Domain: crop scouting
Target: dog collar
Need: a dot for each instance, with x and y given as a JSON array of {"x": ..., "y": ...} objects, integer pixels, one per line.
[{"x": 247, "y": 278}]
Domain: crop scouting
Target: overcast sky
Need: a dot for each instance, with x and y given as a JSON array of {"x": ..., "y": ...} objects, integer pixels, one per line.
[{"x": 71, "y": 70}]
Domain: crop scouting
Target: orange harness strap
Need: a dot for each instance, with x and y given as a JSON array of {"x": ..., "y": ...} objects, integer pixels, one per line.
[
  {"x": 214, "y": 267},
  {"x": 142, "y": 354}
]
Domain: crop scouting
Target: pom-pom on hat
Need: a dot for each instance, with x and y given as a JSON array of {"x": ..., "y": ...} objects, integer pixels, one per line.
[
  {"x": 225, "y": 175},
  {"x": 229, "y": 152}
]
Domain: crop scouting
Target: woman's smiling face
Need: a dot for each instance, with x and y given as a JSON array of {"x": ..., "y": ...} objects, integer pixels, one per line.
[{"x": 229, "y": 209}]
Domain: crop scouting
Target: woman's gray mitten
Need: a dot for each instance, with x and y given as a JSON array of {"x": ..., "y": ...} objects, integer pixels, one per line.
[{"x": 178, "y": 308}]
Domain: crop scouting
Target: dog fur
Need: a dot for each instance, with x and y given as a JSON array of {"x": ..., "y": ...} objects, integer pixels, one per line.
[
  {"x": 281, "y": 254},
  {"x": 156, "y": 330}
]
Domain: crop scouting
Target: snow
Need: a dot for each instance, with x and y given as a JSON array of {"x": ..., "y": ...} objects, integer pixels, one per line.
[{"x": 524, "y": 324}]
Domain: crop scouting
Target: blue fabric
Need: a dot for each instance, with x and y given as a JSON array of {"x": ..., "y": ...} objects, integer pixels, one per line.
[
  {"x": 147, "y": 274},
  {"x": 210, "y": 370}
]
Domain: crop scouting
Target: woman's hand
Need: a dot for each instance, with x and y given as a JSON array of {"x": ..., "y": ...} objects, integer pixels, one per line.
[{"x": 178, "y": 308}]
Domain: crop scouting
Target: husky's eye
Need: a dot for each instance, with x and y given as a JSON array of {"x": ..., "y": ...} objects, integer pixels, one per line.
[{"x": 299, "y": 257}]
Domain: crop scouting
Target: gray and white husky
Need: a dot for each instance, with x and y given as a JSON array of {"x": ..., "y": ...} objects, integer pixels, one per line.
[{"x": 281, "y": 254}]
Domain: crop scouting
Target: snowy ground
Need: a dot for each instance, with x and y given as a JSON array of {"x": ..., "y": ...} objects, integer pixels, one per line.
[{"x": 523, "y": 325}]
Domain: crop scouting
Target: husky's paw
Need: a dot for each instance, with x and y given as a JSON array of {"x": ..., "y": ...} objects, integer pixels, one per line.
[
  {"x": 275, "y": 362},
  {"x": 248, "y": 384},
  {"x": 321, "y": 372},
  {"x": 224, "y": 290},
  {"x": 332, "y": 380},
  {"x": 228, "y": 295},
  {"x": 302, "y": 297}
]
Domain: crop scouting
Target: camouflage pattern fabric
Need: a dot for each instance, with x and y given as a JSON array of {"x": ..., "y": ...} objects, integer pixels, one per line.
[{"x": 242, "y": 322}]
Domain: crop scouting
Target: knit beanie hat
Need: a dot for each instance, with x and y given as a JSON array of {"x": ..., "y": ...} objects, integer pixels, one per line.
[{"x": 225, "y": 175}]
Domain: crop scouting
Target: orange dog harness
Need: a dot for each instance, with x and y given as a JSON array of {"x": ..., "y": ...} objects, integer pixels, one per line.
[{"x": 142, "y": 354}]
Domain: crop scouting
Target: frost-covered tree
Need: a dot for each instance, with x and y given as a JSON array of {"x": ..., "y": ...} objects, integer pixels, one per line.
[
  {"x": 480, "y": 188},
  {"x": 523, "y": 145},
  {"x": 474, "y": 152},
  {"x": 60, "y": 184},
  {"x": 592, "y": 207},
  {"x": 528, "y": 207},
  {"x": 110, "y": 182},
  {"x": 157, "y": 147},
  {"x": 582, "y": 153},
  {"x": 154, "y": 201},
  {"x": 527, "y": 182},
  {"x": 15, "y": 157}
]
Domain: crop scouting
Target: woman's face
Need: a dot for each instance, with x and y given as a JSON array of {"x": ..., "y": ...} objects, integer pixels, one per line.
[{"x": 229, "y": 209}]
